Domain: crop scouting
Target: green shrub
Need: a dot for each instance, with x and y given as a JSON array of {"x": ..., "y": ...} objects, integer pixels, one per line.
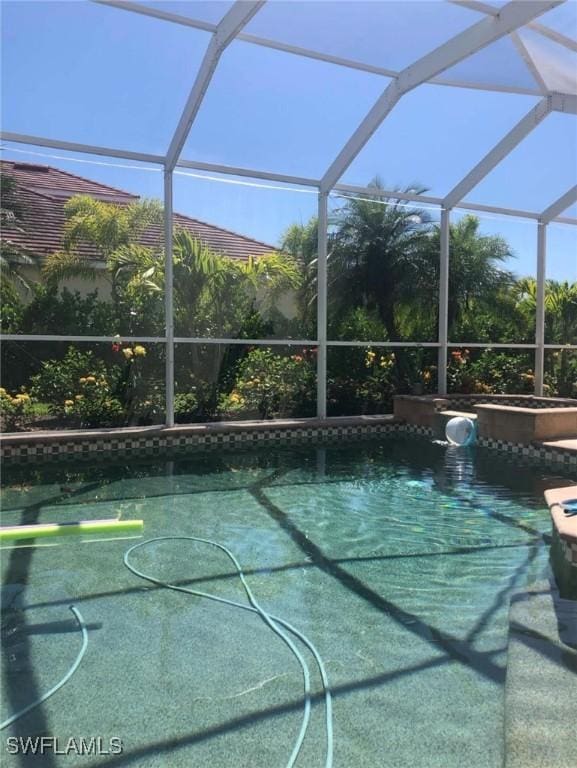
[
  {"x": 94, "y": 405},
  {"x": 361, "y": 381},
  {"x": 11, "y": 308},
  {"x": 58, "y": 380},
  {"x": 269, "y": 385},
  {"x": 52, "y": 310}
]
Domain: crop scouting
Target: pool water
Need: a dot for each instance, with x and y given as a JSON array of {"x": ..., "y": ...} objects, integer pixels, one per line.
[{"x": 397, "y": 559}]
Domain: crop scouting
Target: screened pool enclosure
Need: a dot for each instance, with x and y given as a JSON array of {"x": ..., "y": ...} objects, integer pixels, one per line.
[{"x": 354, "y": 199}]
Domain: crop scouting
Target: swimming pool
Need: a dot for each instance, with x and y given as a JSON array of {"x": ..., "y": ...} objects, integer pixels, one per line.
[{"x": 396, "y": 558}]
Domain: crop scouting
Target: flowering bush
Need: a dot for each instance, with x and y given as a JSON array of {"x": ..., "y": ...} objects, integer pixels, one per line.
[
  {"x": 94, "y": 404},
  {"x": 269, "y": 385},
  {"x": 14, "y": 410},
  {"x": 490, "y": 372},
  {"x": 58, "y": 379},
  {"x": 91, "y": 392}
]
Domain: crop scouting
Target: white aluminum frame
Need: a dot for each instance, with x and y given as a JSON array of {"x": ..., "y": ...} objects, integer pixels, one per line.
[{"x": 497, "y": 24}]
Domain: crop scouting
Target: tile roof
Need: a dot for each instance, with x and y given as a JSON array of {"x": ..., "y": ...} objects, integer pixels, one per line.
[{"x": 43, "y": 191}]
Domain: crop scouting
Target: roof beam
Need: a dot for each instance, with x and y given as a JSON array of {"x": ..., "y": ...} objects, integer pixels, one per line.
[
  {"x": 228, "y": 28},
  {"x": 231, "y": 170},
  {"x": 157, "y": 13},
  {"x": 277, "y": 45},
  {"x": 499, "y": 152},
  {"x": 560, "y": 205},
  {"x": 228, "y": 170},
  {"x": 463, "y": 45},
  {"x": 86, "y": 149}
]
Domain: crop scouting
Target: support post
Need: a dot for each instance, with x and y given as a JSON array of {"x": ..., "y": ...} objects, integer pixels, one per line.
[
  {"x": 322, "y": 305},
  {"x": 443, "y": 302},
  {"x": 540, "y": 309},
  {"x": 168, "y": 301}
]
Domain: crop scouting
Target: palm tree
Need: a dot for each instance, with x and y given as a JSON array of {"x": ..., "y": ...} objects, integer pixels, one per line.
[{"x": 377, "y": 246}]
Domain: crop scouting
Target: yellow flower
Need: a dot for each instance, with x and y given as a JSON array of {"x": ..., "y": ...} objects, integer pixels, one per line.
[
  {"x": 128, "y": 353},
  {"x": 82, "y": 380},
  {"x": 2, "y": 391},
  {"x": 79, "y": 397},
  {"x": 139, "y": 351},
  {"x": 90, "y": 379},
  {"x": 68, "y": 403}
]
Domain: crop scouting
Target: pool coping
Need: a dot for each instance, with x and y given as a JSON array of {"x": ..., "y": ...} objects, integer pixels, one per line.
[{"x": 564, "y": 547}]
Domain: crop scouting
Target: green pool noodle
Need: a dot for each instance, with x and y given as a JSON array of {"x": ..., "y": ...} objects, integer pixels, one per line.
[{"x": 50, "y": 530}]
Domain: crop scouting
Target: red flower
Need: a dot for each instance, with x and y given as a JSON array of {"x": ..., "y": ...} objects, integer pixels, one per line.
[{"x": 116, "y": 347}]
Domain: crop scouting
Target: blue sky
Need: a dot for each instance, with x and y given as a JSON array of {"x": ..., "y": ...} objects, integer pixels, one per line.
[{"x": 83, "y": 72}]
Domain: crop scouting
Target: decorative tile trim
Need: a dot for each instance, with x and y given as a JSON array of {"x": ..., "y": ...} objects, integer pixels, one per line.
[
  {"x": 88, "y": 446},
  {"x": 543, "y": 453},
  {"x": 415, "y": 429}
]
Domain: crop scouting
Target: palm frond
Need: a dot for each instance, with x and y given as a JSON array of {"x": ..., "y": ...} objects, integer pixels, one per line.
[{"x": 66, "y": 264}]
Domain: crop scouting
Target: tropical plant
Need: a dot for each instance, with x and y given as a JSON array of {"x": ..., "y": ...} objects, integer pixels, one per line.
[
  {"x": 376, "y": 256},
  {"x": 12, "y": 257}
]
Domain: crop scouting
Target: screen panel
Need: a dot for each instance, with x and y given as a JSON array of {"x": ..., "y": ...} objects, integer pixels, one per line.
[
  {"x": 81, "y": 385},
  {"x": 364, "y": 380},
  {"x": 274, "y": 111},
  {"x": 561, "y": 285},
  {"x": 434, "y": 136},
  {"x": 537, "y": 172},
  {"x": 492, "y": 279},
  {"x": 491, "y": 371},
  {"x": 383, "y": 270},
  {"x": 244, "y": 258},
  {"x": 236, "y": 382},
  {"x": 99, "y": 75}
]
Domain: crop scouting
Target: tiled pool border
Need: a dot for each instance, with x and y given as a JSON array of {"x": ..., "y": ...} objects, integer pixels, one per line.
[{"x": 29, "y": 447}]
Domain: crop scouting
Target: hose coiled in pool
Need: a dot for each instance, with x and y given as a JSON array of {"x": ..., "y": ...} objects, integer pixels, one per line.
[
  {"x": 272, "y": 622},
  {"x": 62, "y": 682}
]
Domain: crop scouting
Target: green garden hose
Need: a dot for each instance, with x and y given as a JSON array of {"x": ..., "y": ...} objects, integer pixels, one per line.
[
  {"x": 62, "y": 682},
  {"x": 272, "y": 622}
]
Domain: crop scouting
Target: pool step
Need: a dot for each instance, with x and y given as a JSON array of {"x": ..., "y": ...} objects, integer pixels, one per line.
[{"x": 541, "y": 683}]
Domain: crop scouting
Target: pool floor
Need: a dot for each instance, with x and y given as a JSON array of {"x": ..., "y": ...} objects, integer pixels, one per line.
[{"x": 397, "y": 559}]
